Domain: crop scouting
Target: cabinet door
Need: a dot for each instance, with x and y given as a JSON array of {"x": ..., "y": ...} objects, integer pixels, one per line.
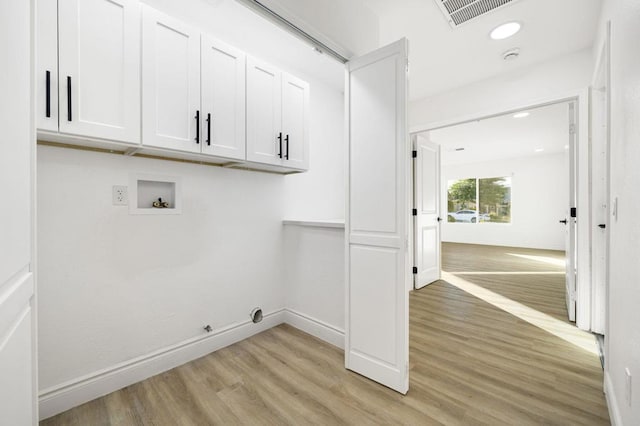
[
  {"x": 223, "y": 99},
  {"x": 170, "y": 82},
  {"x": 264, "y": 113},
  {"x": 295, "y": 121},
  {"x": 99, "y": 53},
  {"x": 47, "y": 65}
]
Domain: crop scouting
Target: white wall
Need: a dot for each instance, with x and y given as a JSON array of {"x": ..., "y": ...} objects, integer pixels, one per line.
[
  {"x": 529, "y": 86},
  {"x": 314, "y": 274},
  {"x": 539, "y": 198},
  {"x": 115, "y": 286},
  {"x": 623, "y": 335}
]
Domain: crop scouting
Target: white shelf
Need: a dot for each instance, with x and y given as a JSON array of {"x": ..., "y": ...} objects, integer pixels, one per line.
[{"x": 332, "y": 223}]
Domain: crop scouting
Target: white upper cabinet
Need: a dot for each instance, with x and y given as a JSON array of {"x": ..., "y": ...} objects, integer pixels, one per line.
[
  {"x": 277, "y": 117},
  {"x": 99, "y": 68},
  {"x": 170, "y": 83},
  {"x": 295, "y": 121},
  {"x": 264, "y": 113},
  {"x": 223, "y": 99},
  {"x": 47, "y": 65}
]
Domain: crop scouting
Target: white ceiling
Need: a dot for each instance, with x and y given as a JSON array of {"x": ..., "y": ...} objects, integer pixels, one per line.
[
  {"x": 505, "y": 136},
  {"x": 442, "y": 58}
]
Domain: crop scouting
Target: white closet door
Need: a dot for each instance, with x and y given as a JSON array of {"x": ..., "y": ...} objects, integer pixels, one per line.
[
  {"x": 170, "y": 83},
  {"x": 427, "y": 205},
  {"x": 99, "y": 52},
  {"x": 378, "y": 267},
  {"x": 18, "y": 377},
  {"x": 295, "y": 122},
  {"x": 47, "y": 65},
  {"x": 265, "y": 141},
  {"x": 223, "y": 99}
]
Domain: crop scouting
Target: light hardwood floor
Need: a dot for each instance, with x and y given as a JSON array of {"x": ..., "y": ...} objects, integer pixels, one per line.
[{"x": 509, "y": 359}]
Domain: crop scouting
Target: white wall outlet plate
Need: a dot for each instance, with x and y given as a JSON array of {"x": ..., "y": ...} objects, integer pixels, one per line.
[{"x": 120, "y": 196}]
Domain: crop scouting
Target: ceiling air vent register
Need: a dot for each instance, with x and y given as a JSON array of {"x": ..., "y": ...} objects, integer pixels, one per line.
[{"x": 458, "y": 12}]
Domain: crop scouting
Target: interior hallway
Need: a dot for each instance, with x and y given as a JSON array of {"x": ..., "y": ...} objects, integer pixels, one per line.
[{"x": 472, "y": 362}]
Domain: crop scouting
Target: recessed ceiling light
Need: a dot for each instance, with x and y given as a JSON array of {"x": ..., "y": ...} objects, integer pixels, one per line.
[
  {"x": 505, "y": 30},
  {"x": 521, "y": 114},
  {"x": 539, "y": 149}
]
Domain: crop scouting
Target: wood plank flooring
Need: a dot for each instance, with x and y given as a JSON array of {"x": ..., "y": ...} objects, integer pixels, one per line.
[{"x": 473, "y": 362}]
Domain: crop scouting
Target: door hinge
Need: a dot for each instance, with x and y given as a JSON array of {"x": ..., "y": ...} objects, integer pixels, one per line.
[
  {"x": 414, "y": 212},
  {"x": 574, "y": 212},
  {"x": 414, "y": 154},
  {"x": 415, "y": 269}
]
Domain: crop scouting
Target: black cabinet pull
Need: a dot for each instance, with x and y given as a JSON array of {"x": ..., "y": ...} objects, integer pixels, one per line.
[
  {"x": 209, "y": 129},
  {"x": 602, "y": 226},
  {"x": 197, "y": 117},
  {"x": 286, "y": 140},
  {"x": 280, "y": 144},
  {"x": 48, "y": 94},
  {"x": 69, "y": 115},
  {"x": 563, "y": 221}
]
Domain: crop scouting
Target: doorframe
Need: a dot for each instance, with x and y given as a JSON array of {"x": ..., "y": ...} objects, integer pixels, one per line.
[
  {"x": 603, "y": 67},
  {"x": 583, "y": 182}
]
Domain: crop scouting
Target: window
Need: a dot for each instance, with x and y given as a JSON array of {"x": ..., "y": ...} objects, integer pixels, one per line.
[{"x": 479, "y": 200}]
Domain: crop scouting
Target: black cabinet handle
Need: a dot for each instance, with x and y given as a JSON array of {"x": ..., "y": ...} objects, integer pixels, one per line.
[
  {"x": 197, "y": 117},
  {"x": 280, "y": 144},
  {"x": 564, "y": 221},
  {"x": 209, "y": 129},
  {"x": 69, "y": 115},
  {"x": 286, "y": 139},
  {"x": 602, "y": 226},
  {"x": 48, "y": 94}
]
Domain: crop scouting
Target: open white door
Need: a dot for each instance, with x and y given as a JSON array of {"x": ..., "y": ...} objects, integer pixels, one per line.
[
  {"x": 570, "y": 219},
  {"x": 426, "y": 190},
  {"x": 17, "y": 316},
  {"x": 377, "y": 217}
]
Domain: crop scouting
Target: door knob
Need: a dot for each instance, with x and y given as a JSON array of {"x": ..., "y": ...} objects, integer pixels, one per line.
[{"x": 564, "y": 221}]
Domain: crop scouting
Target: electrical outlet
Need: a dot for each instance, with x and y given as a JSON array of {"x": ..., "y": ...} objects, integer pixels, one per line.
[
  {"x": 120, "y": 195},
  {"x": 627, "y": 377}
]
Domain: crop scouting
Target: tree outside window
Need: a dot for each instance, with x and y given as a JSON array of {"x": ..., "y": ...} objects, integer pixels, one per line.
[{"x": 478, "y": 200}]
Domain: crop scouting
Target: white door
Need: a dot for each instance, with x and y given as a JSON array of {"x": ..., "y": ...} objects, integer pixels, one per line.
[
  {"x": 18, "y": 381},
  {"x": 223, "y": 99},
  {"x": 295, "y": 122},
  {"x": 265, "y": 140},
  {"x": 47, "y": 65},
  {"x": 377, "y": 218},
  {"x": 570, "y": 219},
  {"x": 99, "y": 52},
  {"x": 427, "y": 210},
  {"x": 170, "y": 83}
]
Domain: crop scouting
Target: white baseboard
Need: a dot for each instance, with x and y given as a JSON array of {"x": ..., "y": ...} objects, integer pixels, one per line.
[
  {"x": 315, "y": 327},
  {"x": 612, "y": 401},
  {"x": 83, "y": 389}
]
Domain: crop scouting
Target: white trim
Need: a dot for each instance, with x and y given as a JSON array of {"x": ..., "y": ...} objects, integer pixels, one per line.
[
  {"x": 70, "y": 394},
  {"x": 498, "y": 111},
  {"x": 337, "y": 224},
  {"x": 315, "y": 327},
  {"x": 612, "y": 401}
]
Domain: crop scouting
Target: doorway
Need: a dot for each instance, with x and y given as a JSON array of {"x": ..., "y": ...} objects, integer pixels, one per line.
[{"x": 506, "y": 180}]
